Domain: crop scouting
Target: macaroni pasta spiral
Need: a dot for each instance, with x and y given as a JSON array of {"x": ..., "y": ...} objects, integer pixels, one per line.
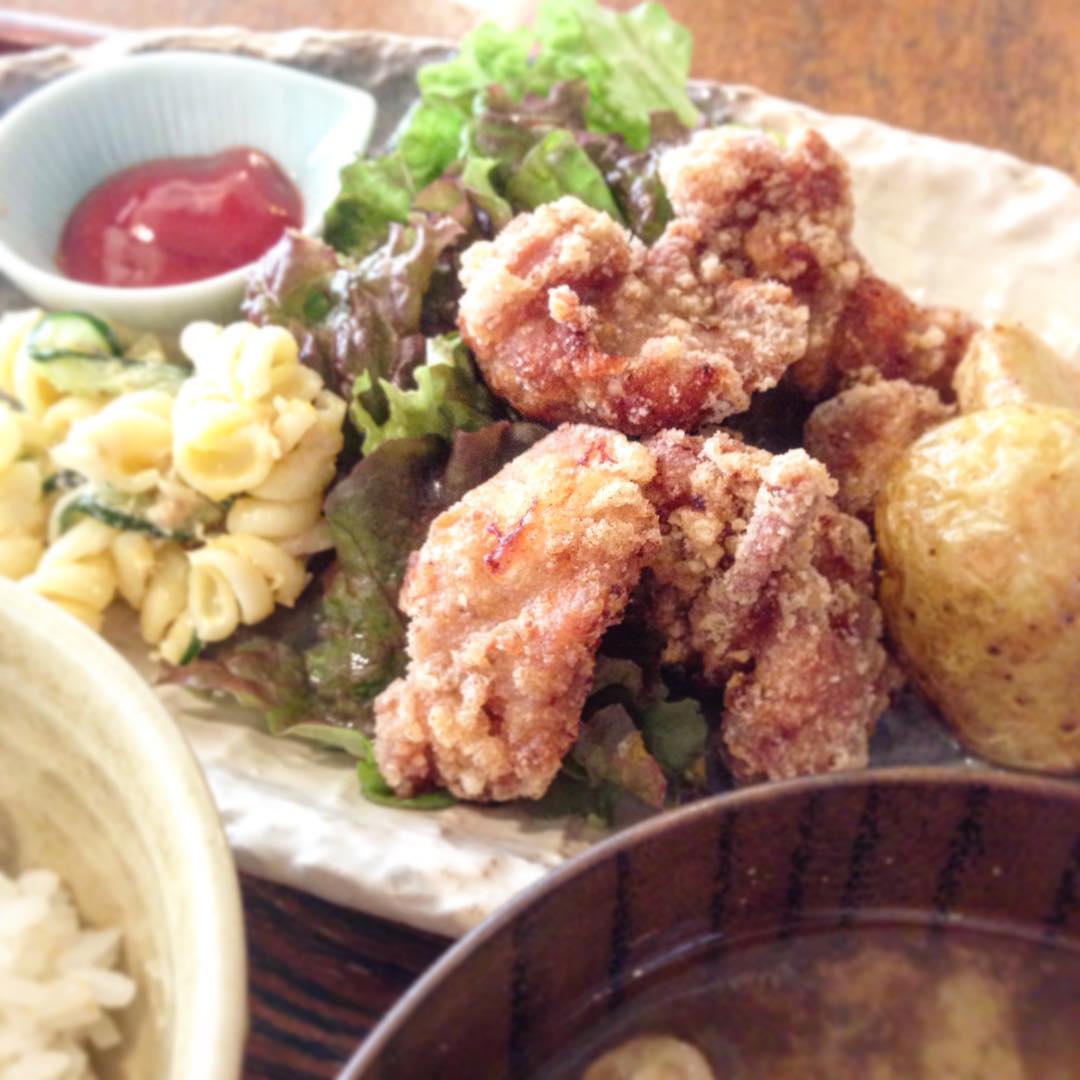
[
  {"x": 20, "y": 377},
  {"x": 22, "y": 507},
  {"x": 287, "y": 505},
  {"x": 152, "y": 577},
  {"x": 237, "y": 580},
  {"x": 92, "y": 563},
  {"x": 127, "y": 444},
  {"x": 195, "y": 508},
  {"x": 243, "y": 409},
  {"x": 245, "y": 362},
  {"x": 203, "y": 595},
  {"x": 77, "y": 571},
  {"x": 164, "y": 619}
]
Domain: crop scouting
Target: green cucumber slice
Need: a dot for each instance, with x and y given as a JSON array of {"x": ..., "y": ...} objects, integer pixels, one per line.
[
  {"x": 79, "y": 354},
  {"x": 141, "y": 513},
  {"x": 63, "y": 333}
]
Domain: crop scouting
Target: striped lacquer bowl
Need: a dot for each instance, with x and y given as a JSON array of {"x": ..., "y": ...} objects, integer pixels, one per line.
[{"x": 929, "y": 848}]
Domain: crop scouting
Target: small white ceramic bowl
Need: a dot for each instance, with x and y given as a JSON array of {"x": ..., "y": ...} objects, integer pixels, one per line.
[
  {"x": 69, "y": 136},
  {"x": 97, "y": 783}
]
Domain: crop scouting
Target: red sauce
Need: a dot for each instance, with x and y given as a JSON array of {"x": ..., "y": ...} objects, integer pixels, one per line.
[{"x": 179, "y": 219}]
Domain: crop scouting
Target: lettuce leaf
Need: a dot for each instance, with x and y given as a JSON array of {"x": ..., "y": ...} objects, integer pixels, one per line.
[
  {"x": 377, "y": 191},
  {"x": 488, "y": 55},
  {"x": 353, "y": 316},
  {"x": 635, "y": 63},
  {"x": 504, "y": 129},
  {"x": 675, "y": 733},
  {"x": 262, "y": 673},
  {"x": 374, "y": 193},
  {"x": 373, "y": 785},
  {"x": 633, "y": 176},
  {"x": 611, "y": 749},
  {"x": 639, "y": 749},
  {"x": 557, "y": 166},
  {"x": 399, "y": 271},
  {"x": 467, "y": 193},
  {"x": 429, "y": 141},
  {"x": 476, "y": 181},
  {"x": 379, "y": 515},
  {"x": 448, "y": 395},
  {"x": 483, "y": 113}
]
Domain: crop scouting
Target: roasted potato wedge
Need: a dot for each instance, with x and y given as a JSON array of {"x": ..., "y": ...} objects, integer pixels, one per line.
[
  {"x": 978, "y": 530},
  {"x": 1007, "y": 364}
]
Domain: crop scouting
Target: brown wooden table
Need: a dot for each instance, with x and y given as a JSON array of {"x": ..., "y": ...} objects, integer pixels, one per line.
[{"x": 1005, "y": 73}]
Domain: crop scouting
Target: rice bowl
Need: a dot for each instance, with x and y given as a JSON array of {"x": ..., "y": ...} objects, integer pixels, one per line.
[{"x": 99, "y": 786}]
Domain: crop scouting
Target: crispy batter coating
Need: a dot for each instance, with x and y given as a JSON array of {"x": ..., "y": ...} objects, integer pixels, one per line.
[
  {"x": 786, "y": 214},
  {"x": 861, "y": 433},
  {"x": 508, "y": 599},
  {"x": 882, "y": 328},
  {"x": 573, "y": 318},
  {"x": 763, "y": 587}
]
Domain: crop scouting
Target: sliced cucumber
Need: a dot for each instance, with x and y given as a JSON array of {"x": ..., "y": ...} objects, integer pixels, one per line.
[
  {"x": 80, "y": 355},
  {"x": 148, "y": 514},
  {"x": 64, "y": 480},
  {"x": 85, "y": 375},
  {"x": 64, "y": 333},
  {"x": 192, "y": 651}
]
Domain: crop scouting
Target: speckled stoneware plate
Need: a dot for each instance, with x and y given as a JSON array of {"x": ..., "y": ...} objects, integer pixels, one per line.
[{"x": 951, "y": 223}]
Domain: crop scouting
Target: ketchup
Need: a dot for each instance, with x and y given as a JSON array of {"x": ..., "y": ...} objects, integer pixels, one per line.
[{"x": 179, "y": 219}]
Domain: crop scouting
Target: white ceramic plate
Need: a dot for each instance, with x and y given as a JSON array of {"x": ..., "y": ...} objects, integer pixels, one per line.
[
  {"x": 82, "y": 129},
  {"x": 950, "y": 222}
]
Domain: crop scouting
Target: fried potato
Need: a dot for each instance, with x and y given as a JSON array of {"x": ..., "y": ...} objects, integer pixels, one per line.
[
  {"x": 977, "y": 533},
  {"x": 1007, "y": 364}
]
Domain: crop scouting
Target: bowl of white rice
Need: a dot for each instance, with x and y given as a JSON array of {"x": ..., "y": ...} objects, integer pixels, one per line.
[{"x": 121, "y": 931}]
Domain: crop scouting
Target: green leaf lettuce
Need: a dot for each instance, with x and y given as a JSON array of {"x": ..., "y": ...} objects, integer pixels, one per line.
[
  {"x": 448, "y": 395},
  {"x": 625, "y": 69}
]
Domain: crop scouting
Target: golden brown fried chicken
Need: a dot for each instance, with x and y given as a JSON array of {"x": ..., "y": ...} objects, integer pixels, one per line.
[
  {"x": 861, "y": 433},
  {"x": 763, "y": 587},
  {"x": 573, "y": 318},
  {"x": 508, "y": 599},
  {"x": 785, "y": 214}
]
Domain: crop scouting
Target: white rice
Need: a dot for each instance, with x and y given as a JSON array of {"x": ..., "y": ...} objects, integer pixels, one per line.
[{"x": 56, "y": 981}]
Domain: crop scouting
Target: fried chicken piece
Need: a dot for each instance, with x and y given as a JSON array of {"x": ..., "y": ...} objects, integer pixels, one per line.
[
  {"x": 763, "y": 587},
  {"x": 882, "y": 328},
  {"x": 861, "y": 433},
  {"x": 508, "y": 599},
  {"x": 785, "y": 214},
  {"x": 573, "y": 318}
]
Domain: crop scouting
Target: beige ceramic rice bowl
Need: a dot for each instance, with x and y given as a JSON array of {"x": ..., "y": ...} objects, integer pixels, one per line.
[{"x": 97, "y": 783}]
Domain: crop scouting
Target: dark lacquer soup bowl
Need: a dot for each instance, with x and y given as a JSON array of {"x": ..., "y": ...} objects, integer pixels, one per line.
[{"x": 901, "y": 922}]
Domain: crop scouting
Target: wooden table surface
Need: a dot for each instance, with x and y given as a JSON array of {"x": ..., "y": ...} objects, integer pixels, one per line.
[{"x": 1005, "y": 73}]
